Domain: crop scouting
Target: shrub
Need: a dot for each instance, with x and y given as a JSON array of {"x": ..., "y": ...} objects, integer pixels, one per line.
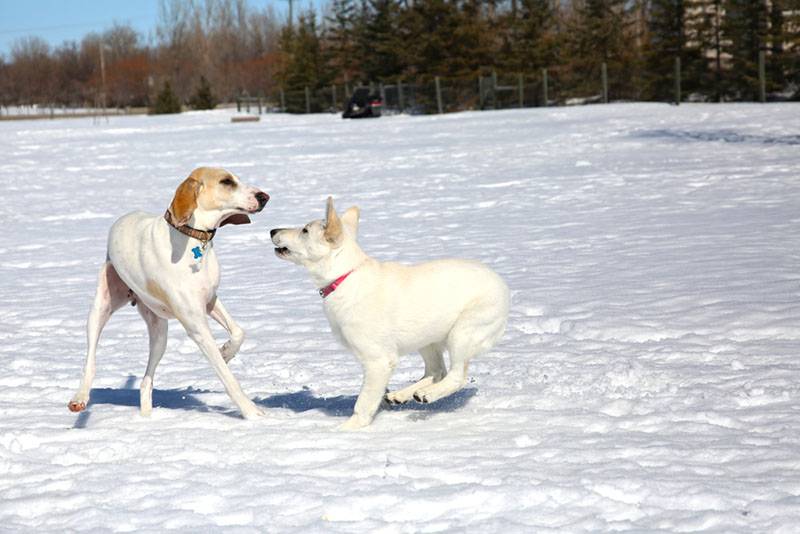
[
  {"x": 166, "y": 101},
  {"x": 203, "y": 98}
]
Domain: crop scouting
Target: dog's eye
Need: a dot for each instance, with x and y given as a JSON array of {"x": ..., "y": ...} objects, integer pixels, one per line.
[
  {"x": 228, "y": 182},
  {"x": 305, "y": 230}
]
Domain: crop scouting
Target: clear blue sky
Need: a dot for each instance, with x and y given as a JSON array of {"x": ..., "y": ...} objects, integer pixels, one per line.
[{"x": 57, "y": 21}]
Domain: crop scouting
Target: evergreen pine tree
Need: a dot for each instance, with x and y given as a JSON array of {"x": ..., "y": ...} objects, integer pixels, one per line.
[
  {"x": 380, "y": 53},
  {"x": 670, "y": 36},
  {"x": 667, "y": 41},
  {"x": 745, "y": 26},
  {"x": 703, "y": 27},
  {"x": 533, "y": 42},
  {"x": 341, "y": 40},
  {"x": 776, "y": 64},
  {"x": 791, "y": 37},
  {"x": 599, "y": 32},
  {"x": 476, "y": 46},
  {"x": 203, "y": 97},
  {"x": 433, "y": 43},
  {"x": 166, "y": 101},
  {"x": 304, "y": 65}
]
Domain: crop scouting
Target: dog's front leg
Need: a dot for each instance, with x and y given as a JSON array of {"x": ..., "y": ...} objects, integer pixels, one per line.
[
  {"x": 221, "y": 315},
  {"x": 198, "y": 330},
  {"x": 377, "y": 372}
]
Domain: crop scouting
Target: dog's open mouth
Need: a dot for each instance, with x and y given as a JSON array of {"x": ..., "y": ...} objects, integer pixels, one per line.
[
  {"x": 235, "y": 218},
  {"x": 281, "y": 251}
]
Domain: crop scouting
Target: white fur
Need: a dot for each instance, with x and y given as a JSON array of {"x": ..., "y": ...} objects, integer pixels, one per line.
[
  {"x": 383, "y": 310},
  {"x": 151, "y": 265}
]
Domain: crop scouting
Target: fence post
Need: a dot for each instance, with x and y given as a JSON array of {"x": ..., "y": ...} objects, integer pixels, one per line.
[
  {"x": 677, "y": 80},
  {"x": 400, "y": 94},
  {"x": 762, "y": 77},
  {"x": 238, "y": 105},
  {"x": 544, "y": 87},
  {"x": 308, "y": 100},
  {"x": 604, "y": 76},
  {"x": 494, "y": 89},
  {"x": 283, "y": 101},
  {"x": 259, "y": 105},
  {"x": 438, "y": 95},
  {"x": 521, "y": 88},
  {"x": 382, "y": 91}
]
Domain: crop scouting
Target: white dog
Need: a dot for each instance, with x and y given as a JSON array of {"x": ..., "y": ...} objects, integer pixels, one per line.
[
  {"x": 383, "y": 310},
  {"x": 166, "y": 267}
]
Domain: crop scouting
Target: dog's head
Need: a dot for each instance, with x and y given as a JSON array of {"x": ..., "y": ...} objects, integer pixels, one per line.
[
  {"x": 215, "y": 197},
  {"x": 318, "y": 240}
]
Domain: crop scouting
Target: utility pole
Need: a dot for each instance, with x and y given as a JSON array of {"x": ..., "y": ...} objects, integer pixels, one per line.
[
  {"x": 103, "y": 78},
  {"x": 291, "y": 13}
]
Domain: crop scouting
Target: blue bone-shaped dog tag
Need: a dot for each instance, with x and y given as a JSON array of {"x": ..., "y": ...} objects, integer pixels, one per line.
[{"x": 197, "y": 253}]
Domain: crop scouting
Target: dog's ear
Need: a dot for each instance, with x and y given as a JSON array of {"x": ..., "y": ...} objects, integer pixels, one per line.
[
  {"x": 333, "y": 226},
  {"x": 350, "y": 220},
  {"x": 236, "y": 218},
  {"x": 185, "y": 201}
]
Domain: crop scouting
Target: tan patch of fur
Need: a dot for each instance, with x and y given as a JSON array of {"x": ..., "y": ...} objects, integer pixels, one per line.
[
  {"x": 202, "y": 189},
  {"x": 333, "y": 226},
  {"x": 210, "y": 177},
  {"x": 185, "y": 201},
  {"x": 158, "y": 293}
]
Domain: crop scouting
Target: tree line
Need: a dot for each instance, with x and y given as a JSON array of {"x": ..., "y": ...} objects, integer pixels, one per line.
[{"x": 240, "y": 49}]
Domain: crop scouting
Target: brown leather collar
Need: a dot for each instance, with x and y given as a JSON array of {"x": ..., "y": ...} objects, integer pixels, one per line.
[{"x": 201, "y": 235}]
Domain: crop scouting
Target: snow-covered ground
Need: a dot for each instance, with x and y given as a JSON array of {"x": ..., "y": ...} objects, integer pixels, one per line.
[{"x": 649, "y": 379}]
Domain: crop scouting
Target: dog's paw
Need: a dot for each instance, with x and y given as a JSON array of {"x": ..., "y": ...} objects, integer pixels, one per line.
[
  {"x": 420, "y": 397},
  {"x": 354, "y": 423},
  {"x": 394, "y": 399},
  {"x": 76, "y": 406},
  {"x": 253, "y": 413},
  {"x": 228, "y": 351}
]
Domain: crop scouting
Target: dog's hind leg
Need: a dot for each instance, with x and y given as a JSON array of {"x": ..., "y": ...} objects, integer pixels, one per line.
[
  {"x": 434, "y": 371},
  {"x": 157, "y": 330},
  {"x": 221, "y": 315},
  {"x": 461, "y": 350},
  {"x": 476, "y": 331},
  {"x": 111, "y": 294},
  {"x": 376, "y": 377}
]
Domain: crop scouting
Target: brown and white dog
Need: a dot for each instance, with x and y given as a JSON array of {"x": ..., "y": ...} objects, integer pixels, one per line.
[{"x": 166, "y": 266}]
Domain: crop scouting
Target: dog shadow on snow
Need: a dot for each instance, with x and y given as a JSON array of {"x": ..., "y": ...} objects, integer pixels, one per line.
[
  {"x": 342, "y": 405},
  {"x": 299, "y": 401},
  {"x": 172, "y": 399}
]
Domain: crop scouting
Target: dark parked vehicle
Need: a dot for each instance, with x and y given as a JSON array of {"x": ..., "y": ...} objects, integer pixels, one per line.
[{"x": 363, "y": 105}]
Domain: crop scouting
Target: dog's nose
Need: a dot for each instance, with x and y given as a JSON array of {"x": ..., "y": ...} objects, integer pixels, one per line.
[
  {"x": 262, "y": 199},
  {"x": 274, "y": 231}
]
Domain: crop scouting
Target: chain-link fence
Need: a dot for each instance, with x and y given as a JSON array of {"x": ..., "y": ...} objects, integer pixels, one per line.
[{"x": 548, "y": 87}]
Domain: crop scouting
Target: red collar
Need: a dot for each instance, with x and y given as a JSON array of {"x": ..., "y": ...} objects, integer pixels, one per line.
[{"x": 330, "y": 288}]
